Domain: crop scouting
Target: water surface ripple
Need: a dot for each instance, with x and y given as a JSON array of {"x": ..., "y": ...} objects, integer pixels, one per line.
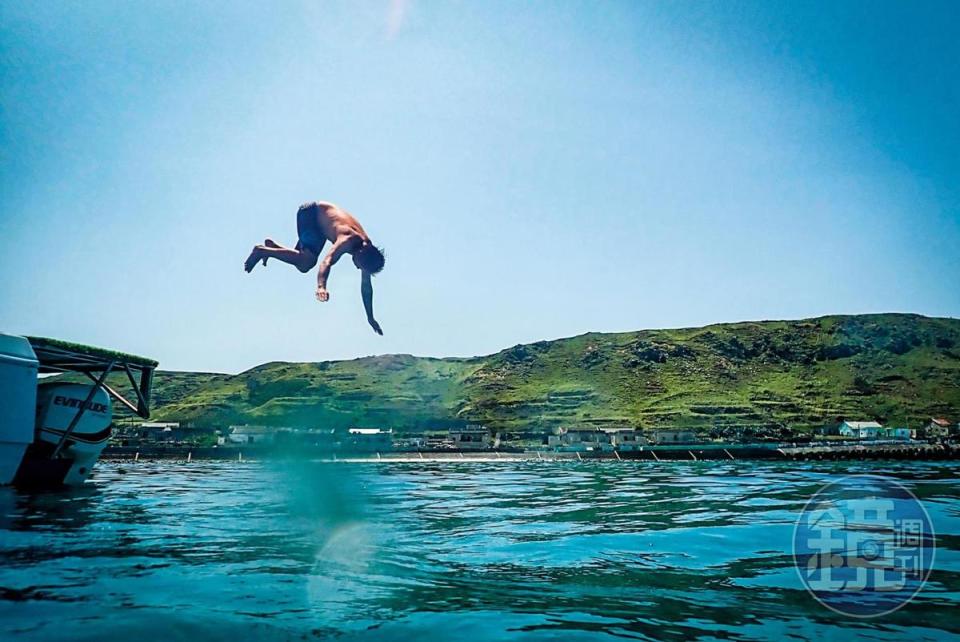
[{"x": 479, "y": 551}]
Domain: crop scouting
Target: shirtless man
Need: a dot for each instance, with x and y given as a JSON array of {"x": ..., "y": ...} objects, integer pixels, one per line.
[{"x": 316, "y": 224}]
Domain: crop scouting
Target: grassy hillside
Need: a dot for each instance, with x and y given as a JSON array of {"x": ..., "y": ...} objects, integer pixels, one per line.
[{"x": 894, "y": 367}]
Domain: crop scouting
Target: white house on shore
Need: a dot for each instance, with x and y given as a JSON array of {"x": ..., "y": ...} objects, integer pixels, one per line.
[
  {"x": 856, "y": 430},
  {"x": 861, "y": 429}
]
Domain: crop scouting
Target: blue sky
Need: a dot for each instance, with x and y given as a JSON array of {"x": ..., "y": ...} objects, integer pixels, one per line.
[{"x": 534, "y": 170}]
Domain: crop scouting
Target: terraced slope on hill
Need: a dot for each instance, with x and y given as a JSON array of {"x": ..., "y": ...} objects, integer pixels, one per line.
[{"x": 894, "y": 367}]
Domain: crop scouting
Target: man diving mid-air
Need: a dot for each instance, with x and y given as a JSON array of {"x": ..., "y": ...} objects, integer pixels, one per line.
[{"x": 316, "y": 223}]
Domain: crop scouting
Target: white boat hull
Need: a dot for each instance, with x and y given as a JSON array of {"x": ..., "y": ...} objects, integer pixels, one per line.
[{"x": 18, "y": 394}]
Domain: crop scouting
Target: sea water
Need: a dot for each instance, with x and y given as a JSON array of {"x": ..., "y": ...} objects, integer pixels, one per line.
[{"x": 444, "y": 551}]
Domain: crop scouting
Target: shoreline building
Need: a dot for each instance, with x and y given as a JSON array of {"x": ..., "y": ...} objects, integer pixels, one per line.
[
  {"x": 367, "y": 440},
  {"x": 471, "y": 437},
  {"x": 938, "y": 428},
  {"x": 157, "y": 430},
  {"x": 668, "y": 436},
  {"x": 250, "y": 435},
  {"x": 899, "y": 434},
  {"x": 168, "y": 432},
  {"x": 626, "y": 439},
  {"x": 582, "y": 439},
  {"x": 861, "y": 429},
  {"x": 855, "y": 430}
]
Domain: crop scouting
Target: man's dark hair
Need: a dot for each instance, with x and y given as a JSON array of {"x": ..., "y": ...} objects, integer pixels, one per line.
[{"x": 371, "y": 258}]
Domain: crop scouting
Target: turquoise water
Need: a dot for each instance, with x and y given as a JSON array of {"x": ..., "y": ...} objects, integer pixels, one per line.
[{"x": 479, "y": 551}]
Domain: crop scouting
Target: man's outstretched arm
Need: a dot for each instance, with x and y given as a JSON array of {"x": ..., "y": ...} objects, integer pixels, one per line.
[
  {"x": 332, "y": 257},
  {"x": 366, "y": 293}
]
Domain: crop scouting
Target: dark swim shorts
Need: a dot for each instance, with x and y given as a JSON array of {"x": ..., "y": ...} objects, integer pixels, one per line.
[{"x": 308, "y": 229}]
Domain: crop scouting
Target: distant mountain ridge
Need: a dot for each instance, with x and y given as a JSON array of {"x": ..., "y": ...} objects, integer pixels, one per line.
[{"x": 894, "y": 367}]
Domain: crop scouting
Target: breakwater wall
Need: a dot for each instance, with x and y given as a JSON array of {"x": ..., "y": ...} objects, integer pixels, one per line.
[{"x": 691, "y": 452}]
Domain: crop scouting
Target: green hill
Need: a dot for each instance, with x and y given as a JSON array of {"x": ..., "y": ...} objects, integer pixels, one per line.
[{"x": 893, "y": 367}]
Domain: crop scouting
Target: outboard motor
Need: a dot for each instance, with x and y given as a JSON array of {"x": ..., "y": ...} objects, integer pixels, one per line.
[
  {"x": 57, "y": 406},
  {"x": 53, "y": 431}
]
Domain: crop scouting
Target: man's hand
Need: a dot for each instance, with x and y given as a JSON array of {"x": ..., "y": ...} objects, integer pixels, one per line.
[
  {"x": 322, "y": 295},
  {"x": 376, "y": 326}
]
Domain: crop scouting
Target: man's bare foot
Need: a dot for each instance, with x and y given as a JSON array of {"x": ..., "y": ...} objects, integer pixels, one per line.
[
  {"x": 269, "y": 243},
  {"x": 255, "y": 255}
]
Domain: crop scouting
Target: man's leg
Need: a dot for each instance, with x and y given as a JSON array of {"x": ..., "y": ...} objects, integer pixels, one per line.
[
  {"x": 270, "y": 243},
  {"x": 302, "y": 259}
]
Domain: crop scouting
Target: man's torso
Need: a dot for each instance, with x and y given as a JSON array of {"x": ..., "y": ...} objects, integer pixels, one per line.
[{"x": 335, "y": 223}]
